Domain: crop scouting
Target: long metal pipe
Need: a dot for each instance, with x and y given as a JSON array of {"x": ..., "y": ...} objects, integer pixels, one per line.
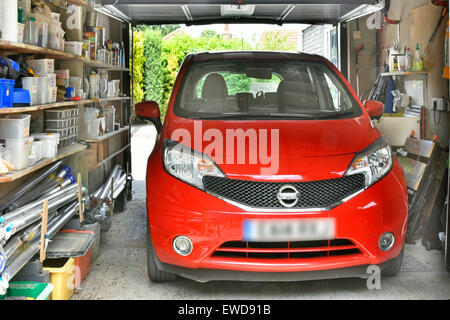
[
  {"x": 25, "y": 188},
  {"x": 57, "y": 224},
  {"x": 119, "y": 190},
  {"x": 107, "y": 185},
  {"x": 30, "y": 217},
  {"x": 20, "y": 261},
  {"x": 11, "y": 215}
]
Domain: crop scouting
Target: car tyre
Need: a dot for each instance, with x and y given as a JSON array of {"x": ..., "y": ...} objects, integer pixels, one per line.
[
  {"x": 154, "y": 273},
  {"x": 394, "y": 266}
]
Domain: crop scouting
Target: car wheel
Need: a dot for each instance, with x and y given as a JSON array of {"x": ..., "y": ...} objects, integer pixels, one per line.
[
  {"x": 155, "y": 274},
  {"x": 394, "y": 266}
]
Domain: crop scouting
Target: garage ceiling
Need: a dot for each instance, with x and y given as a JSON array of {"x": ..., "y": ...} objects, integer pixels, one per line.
[{"x": 193, "y": 12}]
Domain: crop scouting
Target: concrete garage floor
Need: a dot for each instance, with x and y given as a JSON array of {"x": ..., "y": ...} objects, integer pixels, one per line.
[{"x": 121, "y": 272}]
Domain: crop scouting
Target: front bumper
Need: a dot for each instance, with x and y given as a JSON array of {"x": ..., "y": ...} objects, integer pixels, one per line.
[{"x": 175, "y": 208}]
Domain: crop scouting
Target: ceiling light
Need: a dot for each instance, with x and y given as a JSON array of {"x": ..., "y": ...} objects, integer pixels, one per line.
[{"x": 230, "y": 10}]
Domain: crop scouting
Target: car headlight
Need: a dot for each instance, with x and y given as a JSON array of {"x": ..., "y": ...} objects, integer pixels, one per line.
[
  {"x": 374, "y": 162},
  {"x": 188, "y": 165}
]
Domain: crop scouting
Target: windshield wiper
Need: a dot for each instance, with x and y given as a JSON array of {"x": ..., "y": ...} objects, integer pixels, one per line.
[
  {"x": 334, "y": 115},
  {"x": 237, "y": 115}
]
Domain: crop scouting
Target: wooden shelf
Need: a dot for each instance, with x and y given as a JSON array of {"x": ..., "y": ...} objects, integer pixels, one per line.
[
  {"x": 44, "y": 106},
  {"x": 14, "y": 47},
  {"x": 403, "y": 73},
  {"x": 62, "y": 153},
  {"x": 102, "y": 65},
  {"x": 108, "y": 135},
  {"x": 78, "y": 2},
  {"x": 111, "y": 99}
]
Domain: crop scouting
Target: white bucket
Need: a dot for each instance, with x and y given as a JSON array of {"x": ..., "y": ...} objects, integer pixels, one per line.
[
  {"x": 43, "y": 91},
  {"x": 8, "y": 20},
  {"x": 50, "y": 143},
  {"x": 19, "y": 152},
  {"x": 31, "y": 84}
]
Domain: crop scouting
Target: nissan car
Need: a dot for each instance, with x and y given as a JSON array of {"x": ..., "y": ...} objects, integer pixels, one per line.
[{"x": 267, "y": 167}]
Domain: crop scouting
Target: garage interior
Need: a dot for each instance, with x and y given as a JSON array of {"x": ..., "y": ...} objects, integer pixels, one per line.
[{"x": 104, "y": 243}]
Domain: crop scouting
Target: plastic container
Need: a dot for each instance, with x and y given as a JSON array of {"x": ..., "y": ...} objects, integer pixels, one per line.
[
  {"x": 31, "y": 84},
  {"x": 15, "y": 126},
  {"x": 50, "y": 143},
  {"x": 57, "y": 124},
  {"x": 19, "y": 149},
  {"x": 29, "y": 289},
  {"x": 62, "y": 275},
  {"x": 53, "y": 94},
  {"x": 20, "y": 32},
  {"x": 37, "y": 149},
  {"x": 82, "y": 267},
  {"x": 110, "y": 118},
  {"x": 73, "y": 47},
  {"x": 8, "y": 20},
  {"x": 42, "y": 67},
  {"x": 6, "y": 93},
  {"x": 31, "y": 34},
  {"x": 57, "y": 114},
  {"x": 51, "y": 78},
  {"x": 63, "y": 133},
  {"x": 43, "y": 92},
  {"x": 91, "y": 128}
]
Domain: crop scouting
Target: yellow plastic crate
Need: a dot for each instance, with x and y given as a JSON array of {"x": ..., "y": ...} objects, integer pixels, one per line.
[{"x": 62, "y": 275}]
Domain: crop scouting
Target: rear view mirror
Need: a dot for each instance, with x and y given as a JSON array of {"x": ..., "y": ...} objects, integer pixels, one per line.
[
  {"x": 258, "y": 73},
  {"x": 374, "y": 108},
  {"x": 149, "y": 110}
]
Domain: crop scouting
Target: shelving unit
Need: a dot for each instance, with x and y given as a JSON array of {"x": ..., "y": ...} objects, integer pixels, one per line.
[
  {"x": 62, "y": 153},
  {"x": 118, "y": 31}
]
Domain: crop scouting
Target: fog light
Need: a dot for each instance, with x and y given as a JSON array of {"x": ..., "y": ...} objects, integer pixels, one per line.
[
  {"x": 182, "y": 245},
  {"x": 386, "y": 241}
]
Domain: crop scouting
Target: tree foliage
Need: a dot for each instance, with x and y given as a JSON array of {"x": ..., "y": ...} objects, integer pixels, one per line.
[{"x": 157, "y": 60}]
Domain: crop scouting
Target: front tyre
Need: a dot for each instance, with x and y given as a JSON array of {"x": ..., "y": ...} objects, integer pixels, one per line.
[
  {"x": 394, "y": 266},
  {"x": 155, "y": 274}
]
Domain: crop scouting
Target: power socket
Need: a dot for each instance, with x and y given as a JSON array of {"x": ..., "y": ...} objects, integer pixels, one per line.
[{"x": 440, "y": 104}]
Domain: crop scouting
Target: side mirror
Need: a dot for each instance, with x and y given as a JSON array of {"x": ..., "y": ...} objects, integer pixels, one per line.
[
  {"x": 374, "y": 108},
  {"x": 149, "y": 110}
]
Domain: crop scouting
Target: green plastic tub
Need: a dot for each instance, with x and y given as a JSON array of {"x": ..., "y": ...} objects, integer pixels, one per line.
[{"x": 28, "y": 289}]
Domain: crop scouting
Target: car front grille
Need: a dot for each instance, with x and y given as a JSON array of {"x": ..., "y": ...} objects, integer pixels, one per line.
[
  {"x": 286, "y": 250},
  {"x": 262, "y": 194}
]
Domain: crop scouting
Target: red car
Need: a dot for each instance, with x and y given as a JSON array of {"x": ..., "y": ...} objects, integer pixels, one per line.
[{"x": 268, "y": 168}]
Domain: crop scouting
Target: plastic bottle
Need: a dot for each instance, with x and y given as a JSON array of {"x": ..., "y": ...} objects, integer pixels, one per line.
[
  {"x": 418, "y": 63},
  {"x": 408, "y": 58}
]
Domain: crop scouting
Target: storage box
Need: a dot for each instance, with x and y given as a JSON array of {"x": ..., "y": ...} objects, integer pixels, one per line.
[
  {"x": 31, "y": 84},
  {"x": 73, "y": 47},
  {"x": 57, "y": 114},
  {"x": 63, "y": 133},
  {"x": 6, "y": 93},
  {"x": 28, "y": 289},
  {"x": 42, "y": 66},
  {"x": 82, "y": 267},
  {"x": 15, "y": 126},
  {"x": 19, "y": 149},
  {"x": 56, "y": 124},
  {"x": 62, "y": 276}
]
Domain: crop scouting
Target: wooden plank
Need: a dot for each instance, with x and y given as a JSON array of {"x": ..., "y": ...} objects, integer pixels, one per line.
[
  {"x": 80, "y": 208},
  {"x": 404, "y": 73},
  {"x": 62, "y": 153},
  {"x": 44, "y": 106},
  {"x": 44, "y": 229},
  {"x": 414, "y": 171},
  {"x": 419, "y": 147},
  {"x": 78, "y": 2},
  {"x": 10, "y": 47}
]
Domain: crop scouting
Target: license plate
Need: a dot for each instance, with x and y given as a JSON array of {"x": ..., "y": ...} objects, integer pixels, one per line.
[{"x": 288, "y": 229}]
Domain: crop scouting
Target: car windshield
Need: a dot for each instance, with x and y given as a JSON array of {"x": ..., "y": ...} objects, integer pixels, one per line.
[{"x": 253, "y": 89}]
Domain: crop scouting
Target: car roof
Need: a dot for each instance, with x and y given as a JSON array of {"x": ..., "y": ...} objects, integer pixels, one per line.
[{"x": 254, "y": 54}]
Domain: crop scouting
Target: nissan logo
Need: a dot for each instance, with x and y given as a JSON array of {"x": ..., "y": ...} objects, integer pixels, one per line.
[{"x": 288, "y": 196}]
